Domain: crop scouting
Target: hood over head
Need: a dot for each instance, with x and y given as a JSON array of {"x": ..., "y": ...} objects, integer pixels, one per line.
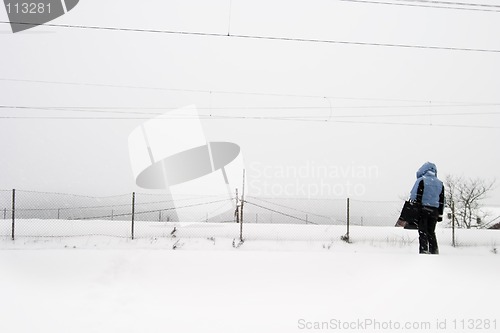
[{"x": 427, "y": 167}]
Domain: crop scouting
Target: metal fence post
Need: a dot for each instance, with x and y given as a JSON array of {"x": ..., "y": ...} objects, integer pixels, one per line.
[
  {"x": 453, "y": 224},
  {"x": 13, "y": 212},
  {"x": 241, "y": 208},
  {"x": 237, "y": 211},
  {"x": 133, "y": 213},
  {"x": 345, "y": 238},
  {"x": 348, "y": 219}
]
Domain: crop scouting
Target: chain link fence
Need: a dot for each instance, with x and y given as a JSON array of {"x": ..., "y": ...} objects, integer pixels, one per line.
[{"x": 153, "y": 215}]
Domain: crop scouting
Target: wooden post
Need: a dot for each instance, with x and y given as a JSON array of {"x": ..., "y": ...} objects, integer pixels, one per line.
[
  {"x": 159, "y": 217},
  {"x": 58, "y": 213},
  {"x": 133, "y": 213},
  {"x": 13, "y": 212},
  {"x": 5, "y": 213}
]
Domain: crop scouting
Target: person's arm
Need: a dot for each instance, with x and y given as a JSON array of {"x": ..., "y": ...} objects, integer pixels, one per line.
[
  {"x": 441, "y": 204},
  {"x": 420, "y": 192}
]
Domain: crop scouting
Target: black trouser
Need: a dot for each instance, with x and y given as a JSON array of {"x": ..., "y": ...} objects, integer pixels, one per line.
[{"x": 426, "y": 230}]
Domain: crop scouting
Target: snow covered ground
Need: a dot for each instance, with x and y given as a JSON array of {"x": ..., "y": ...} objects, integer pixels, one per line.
[
  {"x": 283, "y": 278},
  {"x": 34, "y": 229}
]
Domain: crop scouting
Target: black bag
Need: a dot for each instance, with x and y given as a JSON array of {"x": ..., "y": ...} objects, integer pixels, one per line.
[{"x": 410, "y": 214}]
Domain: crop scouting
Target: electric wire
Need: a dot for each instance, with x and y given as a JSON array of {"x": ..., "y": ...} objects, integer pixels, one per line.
[
  {"x": 227, "y": 92},
  {"x": 260, "y": 37},
  {"x": 115, "y": 110},
  {"x": 297, "y": 119},
  {"x": 428, "y": 4},
  {"x": 453, "y": 3}
]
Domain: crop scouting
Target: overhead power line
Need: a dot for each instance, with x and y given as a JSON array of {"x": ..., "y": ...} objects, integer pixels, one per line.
[
  {"x": 262, "y": 37},
  {"x": 299, "y": 119},
  {"x": 114, "y": 109},
  {"x": 453, "y": 3},
  {"x": 201, "y": 91},
  {"x": 230, "y": 92},
  {"x": 432, "y": 4},
  {"x": 212, "y": 115},
  {"x": 142, "y": 115}
]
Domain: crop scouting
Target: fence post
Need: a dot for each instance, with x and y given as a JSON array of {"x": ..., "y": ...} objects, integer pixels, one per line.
[
  {"x": 241, "y": 208},
  {"x": 13, "y": 212},
  {"x": 5, "y": 213},
  {"x": 241, "y": 222},
  {"x": 348, "y": 217},
  {"x": 453, "y": 224},
  {"x": 237, "y": 211},
  {"x": 346, "y": 237},
  {"x": 133, "y": 213}
]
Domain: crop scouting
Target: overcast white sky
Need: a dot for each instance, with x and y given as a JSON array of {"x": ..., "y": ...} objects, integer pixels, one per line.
[{"x": 364, "y": 84}]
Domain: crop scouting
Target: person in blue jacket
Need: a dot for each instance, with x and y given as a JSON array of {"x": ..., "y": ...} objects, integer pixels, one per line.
[{"x": 428, "y": 193}]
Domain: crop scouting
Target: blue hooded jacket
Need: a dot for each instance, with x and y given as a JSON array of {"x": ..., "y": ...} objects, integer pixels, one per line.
[{"x": 432, "y": 185}]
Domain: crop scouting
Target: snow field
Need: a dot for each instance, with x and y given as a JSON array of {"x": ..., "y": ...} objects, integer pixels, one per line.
[
  {"x": 251, "y": 231},
  {"x": 273, "y": 284}
]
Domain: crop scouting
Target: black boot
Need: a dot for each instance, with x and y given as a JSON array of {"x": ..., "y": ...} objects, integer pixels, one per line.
[
  {"x": 423, "y": 242},
  {"x": 431, "y": 235}
]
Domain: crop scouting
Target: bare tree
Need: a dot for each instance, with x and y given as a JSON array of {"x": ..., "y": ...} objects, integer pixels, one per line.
[{"x": 463, "y": 196}]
